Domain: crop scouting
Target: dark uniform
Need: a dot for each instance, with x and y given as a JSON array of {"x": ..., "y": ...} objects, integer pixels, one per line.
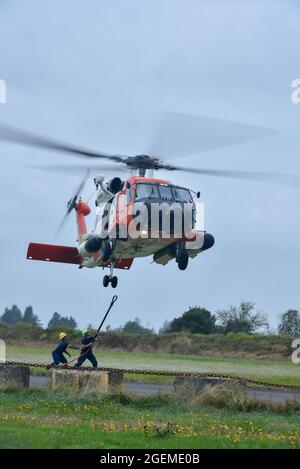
[
  {"x": 87, "y": 353},
  {"x": 58, "y": 353}
]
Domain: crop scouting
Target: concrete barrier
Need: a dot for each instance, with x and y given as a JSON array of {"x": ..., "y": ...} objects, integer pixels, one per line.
[
  {"x": 87, "y": 381},
  {"x": 14, "y": 377},
  {"x": 80, "y": 381},
  {"x": 115, "y": 381}
]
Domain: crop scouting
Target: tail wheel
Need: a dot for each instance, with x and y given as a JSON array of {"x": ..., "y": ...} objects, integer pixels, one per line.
[
  {"x": 106, "y": 281},
  {"x": 105, "y": 251},
  {"x": 114, "y": 281}
]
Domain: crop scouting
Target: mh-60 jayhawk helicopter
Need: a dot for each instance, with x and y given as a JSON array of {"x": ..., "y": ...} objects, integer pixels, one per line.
[{"x": 120, "y": 232}]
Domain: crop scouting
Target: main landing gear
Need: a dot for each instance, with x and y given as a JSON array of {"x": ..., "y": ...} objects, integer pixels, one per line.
[
  {"x": 110, "y": 279},
  {"x": 182, "y": 257},
  {"x": 105, "y": 251}
]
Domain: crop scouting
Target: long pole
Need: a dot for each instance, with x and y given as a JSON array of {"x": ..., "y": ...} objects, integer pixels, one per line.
[{"x": 114, "y": 299}]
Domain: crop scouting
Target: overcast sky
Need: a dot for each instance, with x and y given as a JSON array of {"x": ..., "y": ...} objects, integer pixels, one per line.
[{"x": 90, "y": 73}]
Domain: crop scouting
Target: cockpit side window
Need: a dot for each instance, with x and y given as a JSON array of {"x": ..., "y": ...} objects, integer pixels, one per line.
[{"x": 181, "y": 195}]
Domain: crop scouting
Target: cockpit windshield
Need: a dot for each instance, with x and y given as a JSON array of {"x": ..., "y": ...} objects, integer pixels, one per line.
[
  {"x": 162, "y": 192},
  {"x": 165, "y": 193},
  {"x": 146, "y": 191}
]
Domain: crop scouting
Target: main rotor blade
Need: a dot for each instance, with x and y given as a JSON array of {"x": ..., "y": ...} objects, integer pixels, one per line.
[
  {"x": 272, "y": 178},
  {"x": 78, "y": 191},
  {"x": 72, "y": 202},
  {"x": 176, "y": 135},
  {"x": 9, "y": 134},
  {"x": 79, "y": 170}
]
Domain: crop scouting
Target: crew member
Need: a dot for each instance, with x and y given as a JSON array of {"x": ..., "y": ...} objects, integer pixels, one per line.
[
  {"x": 87, "y": 349},
  {"x": 58, "y": 353}
]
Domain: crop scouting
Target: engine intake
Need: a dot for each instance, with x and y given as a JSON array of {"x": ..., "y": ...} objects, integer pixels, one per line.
[
  {"x": 115, "y": 185},
  {"x": 106, "y": 190}
]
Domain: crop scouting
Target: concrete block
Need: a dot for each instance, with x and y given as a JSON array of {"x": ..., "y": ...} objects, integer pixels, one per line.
[
  {"x": 115, "y": 381},
  {"x": 15, "y": 377},
  {"x": 80, "y": 381}
]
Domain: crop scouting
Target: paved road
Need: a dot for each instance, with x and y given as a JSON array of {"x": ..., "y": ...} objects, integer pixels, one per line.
[
  {"x": 274, "y": 395},
  {"x": 148, "y": 389}
]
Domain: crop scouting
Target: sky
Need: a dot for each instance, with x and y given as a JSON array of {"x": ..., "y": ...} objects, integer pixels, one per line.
[{"x": 91, "y": 73}]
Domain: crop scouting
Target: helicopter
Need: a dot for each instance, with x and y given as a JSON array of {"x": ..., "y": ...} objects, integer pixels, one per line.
[
  {"x": 119, "y": 235},
  {"x": 126, "y": 226}
]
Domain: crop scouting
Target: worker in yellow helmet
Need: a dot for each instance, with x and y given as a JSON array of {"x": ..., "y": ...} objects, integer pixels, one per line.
[{"x": 58, "y": 352}]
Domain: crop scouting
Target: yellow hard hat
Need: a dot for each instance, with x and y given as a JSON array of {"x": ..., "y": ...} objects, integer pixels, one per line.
[{"x": 62, "y": 335}]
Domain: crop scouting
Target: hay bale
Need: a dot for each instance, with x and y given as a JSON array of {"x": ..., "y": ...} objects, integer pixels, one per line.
[
  {"x": 14, "y": 377},
  {"x": 80, "y": 381}
]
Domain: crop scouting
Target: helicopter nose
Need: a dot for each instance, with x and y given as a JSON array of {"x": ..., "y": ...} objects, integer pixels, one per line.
[{"x": 209, "y": 241}]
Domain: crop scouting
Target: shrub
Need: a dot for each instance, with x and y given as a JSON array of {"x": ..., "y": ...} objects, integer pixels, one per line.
[
  {"x": 3, "y": 330},
  {"x": 195, "y": 320},
  {"x": 24, "y": 331}
]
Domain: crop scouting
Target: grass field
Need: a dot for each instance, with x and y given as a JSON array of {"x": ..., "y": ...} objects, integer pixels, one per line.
[
  {"x": 42, "y": 419},
  {"x": 282, "y": 372}
]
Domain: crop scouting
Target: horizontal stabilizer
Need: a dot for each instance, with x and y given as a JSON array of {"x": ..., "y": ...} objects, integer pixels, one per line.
[{"x": 53, "y": 253}]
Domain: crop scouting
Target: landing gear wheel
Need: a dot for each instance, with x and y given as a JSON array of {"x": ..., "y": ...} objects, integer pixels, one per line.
[
  {"x": 105, "y": 251},
  {"x": 114, "y": 281},
  {"x": 106, "y": 281},
  {"x": 182, "y": 259}
]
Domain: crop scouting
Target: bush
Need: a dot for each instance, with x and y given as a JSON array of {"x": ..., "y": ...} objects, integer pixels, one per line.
[
  {"x": 231, "y": 396},
  {"x": 181, "y": 344},
  {"x": 24, "y": 331},
  {"x": 3, "y": 330},
  {"x": 52, "y": 334},
  {"x": 195, "y": 320}
]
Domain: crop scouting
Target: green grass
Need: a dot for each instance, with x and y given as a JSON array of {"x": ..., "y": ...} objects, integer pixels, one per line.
[
  {"x": 42, "y": 419},
  {"x": 281, "y": 372}
]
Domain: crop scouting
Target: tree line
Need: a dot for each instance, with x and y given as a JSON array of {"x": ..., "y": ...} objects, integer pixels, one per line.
[
  {"x": 235, "y": 319},
  {"x": 14, "y": 315},
  {"x": 196, "y": 320}
]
